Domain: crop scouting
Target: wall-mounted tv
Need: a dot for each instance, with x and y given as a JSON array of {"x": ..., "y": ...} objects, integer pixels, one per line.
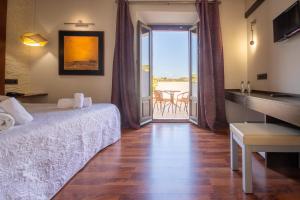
[{"x": 287, "y": 23}]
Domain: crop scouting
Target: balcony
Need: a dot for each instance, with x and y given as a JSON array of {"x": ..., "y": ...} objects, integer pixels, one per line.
[{"x": 171, "y": 101}]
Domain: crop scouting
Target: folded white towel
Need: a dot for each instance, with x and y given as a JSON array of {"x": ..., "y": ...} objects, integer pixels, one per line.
[
  {"x": 16, "y": 110},
  {"x": 6, "y": 121},
  {"x": 65, "y": 103},
  {"x": 78, "y": 100},
  {"x": 87, "y": 102}
]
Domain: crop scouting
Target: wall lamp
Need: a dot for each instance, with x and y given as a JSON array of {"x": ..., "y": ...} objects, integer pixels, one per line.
[
  {"x": 252, "y": 31},
  {"x": 33, "y": 38},
  {"x": 80, "y": 23}
]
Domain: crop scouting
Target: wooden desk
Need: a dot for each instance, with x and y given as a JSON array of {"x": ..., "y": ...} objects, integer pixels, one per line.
[{"x": 283, "y": 109}]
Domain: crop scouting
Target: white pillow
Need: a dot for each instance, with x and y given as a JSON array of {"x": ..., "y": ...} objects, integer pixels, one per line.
[
  {"x": 15, "y": 109},
  {"x": 3, "y": 98}
]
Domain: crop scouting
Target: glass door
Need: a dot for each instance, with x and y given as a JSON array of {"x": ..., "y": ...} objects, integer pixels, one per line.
[
  {"x": 193, "y": 69},
  {"x": 145, "y": 72}
]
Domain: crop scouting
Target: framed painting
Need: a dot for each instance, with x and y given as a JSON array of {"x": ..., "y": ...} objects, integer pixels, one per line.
[{"x": 81, "y": 53}]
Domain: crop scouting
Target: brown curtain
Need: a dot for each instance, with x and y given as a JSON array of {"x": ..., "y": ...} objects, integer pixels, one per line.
[
  {"x": 124, "y": 94},
  {"x": 211, "y": 109}
]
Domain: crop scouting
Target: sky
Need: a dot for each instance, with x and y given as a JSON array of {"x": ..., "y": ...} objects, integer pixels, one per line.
[{"x": 170, "y": 54}]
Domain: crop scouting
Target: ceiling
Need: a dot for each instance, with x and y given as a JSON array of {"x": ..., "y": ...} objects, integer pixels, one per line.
[{"x": 163, "y": 17}]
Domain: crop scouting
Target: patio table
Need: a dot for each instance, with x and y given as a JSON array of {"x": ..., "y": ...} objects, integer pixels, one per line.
[{"x": 172, "y": 103}]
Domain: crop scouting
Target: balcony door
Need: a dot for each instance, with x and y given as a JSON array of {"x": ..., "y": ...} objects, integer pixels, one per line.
[
  {"x": 145, "y": 72},
  {"x": 193, "y": 69}
]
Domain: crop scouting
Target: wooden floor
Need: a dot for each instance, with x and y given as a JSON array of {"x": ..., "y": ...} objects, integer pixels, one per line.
[{"x": 174, "y": 162}]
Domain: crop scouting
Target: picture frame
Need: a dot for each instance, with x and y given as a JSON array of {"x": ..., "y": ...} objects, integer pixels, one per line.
[{"x": 81, "y": 53}]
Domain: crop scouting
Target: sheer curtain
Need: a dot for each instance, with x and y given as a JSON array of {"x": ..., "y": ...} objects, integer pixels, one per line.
[
  {"x": 211, "y": 93},
  {"x": 124, "y": 94}
]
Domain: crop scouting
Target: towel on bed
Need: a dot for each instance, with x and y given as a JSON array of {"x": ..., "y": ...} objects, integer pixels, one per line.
[
  {"x": 78, "y": 100},
  {"x": 87, "y": 102},
  {"x": 6, "y": 121},
  {"x": 66, "y": 103},
  {"x": 16, "y": 110}
]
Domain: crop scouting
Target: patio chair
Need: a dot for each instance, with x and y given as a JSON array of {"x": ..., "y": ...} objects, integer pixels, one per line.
[
  {"x": 182, "y": 99},
  {"x": 159, "y": 101}
]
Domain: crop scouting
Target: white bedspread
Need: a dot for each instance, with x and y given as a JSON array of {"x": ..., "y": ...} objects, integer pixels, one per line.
[{"x": 38, "y": 158}]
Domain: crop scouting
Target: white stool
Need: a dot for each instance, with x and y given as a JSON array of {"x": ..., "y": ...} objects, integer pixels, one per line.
[{"x": 259, "y": 137}]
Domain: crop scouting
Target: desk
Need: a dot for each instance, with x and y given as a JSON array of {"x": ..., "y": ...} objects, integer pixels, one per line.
[
  {"x": 278, "y": 108},
  {"x": 285, "y": 107}
]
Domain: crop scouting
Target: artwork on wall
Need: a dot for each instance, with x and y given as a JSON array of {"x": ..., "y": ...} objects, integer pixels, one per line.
[{"x": 81, "y": 53}]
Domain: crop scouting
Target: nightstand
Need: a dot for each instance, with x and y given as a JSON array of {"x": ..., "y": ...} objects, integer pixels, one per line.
[{"x": 33, "y": 98}]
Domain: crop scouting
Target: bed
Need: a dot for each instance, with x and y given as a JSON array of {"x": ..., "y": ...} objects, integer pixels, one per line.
[{"x": 38, "y": 158}]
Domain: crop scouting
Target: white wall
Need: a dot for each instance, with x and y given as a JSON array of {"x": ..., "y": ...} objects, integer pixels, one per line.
[
  {"x": 280, "y": 60},
  {"x": 17, "y": 58},
  {"x": 235, "y": 42},
  {"x": 50, "y": 18}
]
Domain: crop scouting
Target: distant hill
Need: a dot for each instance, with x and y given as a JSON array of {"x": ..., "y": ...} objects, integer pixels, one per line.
[{"x": 166, "y": 79}]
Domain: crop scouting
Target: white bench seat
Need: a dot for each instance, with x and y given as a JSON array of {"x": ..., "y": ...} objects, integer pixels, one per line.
[{"x": 259, "y": 137}]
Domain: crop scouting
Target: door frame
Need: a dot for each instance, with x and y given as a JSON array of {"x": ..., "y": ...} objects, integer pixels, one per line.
[
  {"x": 149, "y": 119},
  {"x": 170, "y": 27},
  {"x": 3, "y": 17},
  {"x": 192, "y": 119}
]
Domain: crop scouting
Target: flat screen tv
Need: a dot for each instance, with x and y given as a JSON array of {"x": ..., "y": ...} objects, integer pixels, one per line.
[{"x": 287, "y": 23}]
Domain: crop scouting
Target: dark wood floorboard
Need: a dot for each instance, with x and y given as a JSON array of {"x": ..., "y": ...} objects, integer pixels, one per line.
[{"x": 174, "y": 162}]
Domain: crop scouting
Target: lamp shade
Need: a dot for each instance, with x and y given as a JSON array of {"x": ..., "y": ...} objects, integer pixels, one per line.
[{"x": 33, "y": 39}]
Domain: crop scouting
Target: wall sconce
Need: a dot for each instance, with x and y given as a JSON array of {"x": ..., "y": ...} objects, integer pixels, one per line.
[
  {"x": 80, "y": 23},
  {"x": 252, "y": 40}
]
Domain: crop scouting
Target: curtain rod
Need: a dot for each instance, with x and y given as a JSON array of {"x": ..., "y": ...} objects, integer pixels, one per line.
[{"x": 166, "y": 2}]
